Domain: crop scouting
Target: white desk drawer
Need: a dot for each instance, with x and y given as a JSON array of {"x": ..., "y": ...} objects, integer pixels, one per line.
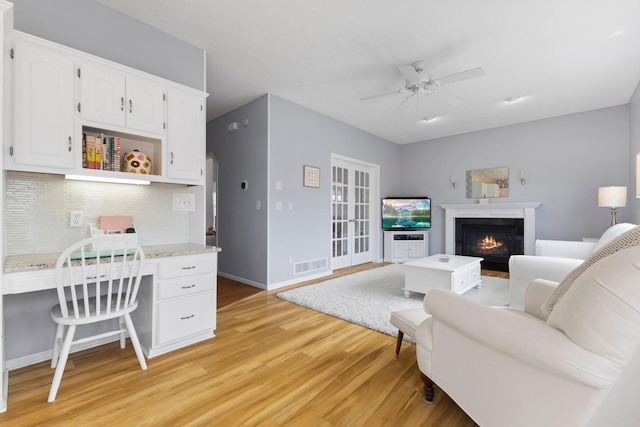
[
  {"x": 185, "y": 316},
  {"x": 187, "y": 265},
  {"x": 186, "y": 285}
]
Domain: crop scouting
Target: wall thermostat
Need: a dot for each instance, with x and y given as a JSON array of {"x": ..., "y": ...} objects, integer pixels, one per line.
[{"x": 244, "y": 185}]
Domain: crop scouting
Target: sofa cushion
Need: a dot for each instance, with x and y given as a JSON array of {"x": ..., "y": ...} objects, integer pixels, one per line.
[
  {"x": 601, "y": 311},
  {"x": 611, "y": 233},
  {"x": 625, "y": 240}
]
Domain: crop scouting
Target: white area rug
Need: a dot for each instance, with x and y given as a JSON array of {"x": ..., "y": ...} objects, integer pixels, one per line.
[{"x": 368, "y": 298}]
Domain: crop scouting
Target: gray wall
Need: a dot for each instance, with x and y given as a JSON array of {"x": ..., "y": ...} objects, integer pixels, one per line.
[
  {"x": 91, "y": 27},
  {"x": 634, "y": 149},
  {"x": 303, "y": 137},
  {"x": 242, "y": 156},
  {"x": 564, "y": 159}
]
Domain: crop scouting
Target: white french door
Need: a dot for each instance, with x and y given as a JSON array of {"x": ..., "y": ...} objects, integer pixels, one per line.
[{"x": 354, "y": 189}]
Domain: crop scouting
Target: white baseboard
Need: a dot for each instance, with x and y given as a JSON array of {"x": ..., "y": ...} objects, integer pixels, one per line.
[
  {"x": 30, "y": 359},
  {"x": 299, "y": 280},
  {"x": 243, "y": 280},
  {"x": 276, "y": 285}
]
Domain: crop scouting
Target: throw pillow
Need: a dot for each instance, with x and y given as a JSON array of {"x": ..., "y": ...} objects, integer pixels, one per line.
[
  {"x": 611, "y": 233},
  {"x": 601, "y": 311},
  {"x": 624, "y": 241}
]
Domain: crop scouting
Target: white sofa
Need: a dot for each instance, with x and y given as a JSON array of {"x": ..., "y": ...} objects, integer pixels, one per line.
[
  {"x": 554, "y": 259},
  {"x": 577, "y": 366}
]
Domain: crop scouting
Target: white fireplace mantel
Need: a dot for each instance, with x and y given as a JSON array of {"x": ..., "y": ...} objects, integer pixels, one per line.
[{"x": 525, "y": 210}]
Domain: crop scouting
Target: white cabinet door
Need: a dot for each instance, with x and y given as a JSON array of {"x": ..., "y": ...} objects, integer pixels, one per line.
[
  {"x": 185, "y": 135},
  {"x": 102, "y": 94},
  {"x": 145, "y": 105},
  {"x": 43, "y": 107},
  {"x": 111, "y": 97}
]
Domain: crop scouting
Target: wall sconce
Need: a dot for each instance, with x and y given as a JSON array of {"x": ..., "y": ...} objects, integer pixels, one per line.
[
  {"x": 612, "y": 197},
  {"x": 523, "y": 181},
  {"x": 453, "y": 182}
]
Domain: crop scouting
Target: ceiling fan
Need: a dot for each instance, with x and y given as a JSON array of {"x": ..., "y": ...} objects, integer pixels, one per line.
[{"x": 417, "y": 84}]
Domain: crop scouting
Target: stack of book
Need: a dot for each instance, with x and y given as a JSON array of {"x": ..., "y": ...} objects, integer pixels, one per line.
[{"x": 101, "y": 152}]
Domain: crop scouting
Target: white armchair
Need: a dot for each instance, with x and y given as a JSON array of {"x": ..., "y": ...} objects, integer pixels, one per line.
[
  {"x": 554, "y": 259},
  {"x": 577, "y": 366}
]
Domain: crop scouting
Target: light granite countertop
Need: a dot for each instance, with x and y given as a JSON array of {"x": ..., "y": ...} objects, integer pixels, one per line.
[{"x": 45, "y": 261}]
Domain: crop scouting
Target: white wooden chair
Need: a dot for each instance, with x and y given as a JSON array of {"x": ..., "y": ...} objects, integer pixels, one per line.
[{"x": 95, "y": 286}]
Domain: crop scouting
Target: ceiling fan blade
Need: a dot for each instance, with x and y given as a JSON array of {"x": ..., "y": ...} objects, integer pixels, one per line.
[
  {"x": 462, "y": 75},
  {"x": 366, "y": 98},
  {"x": 409, "y": 73},
  {"x": 404, "y": 101}
]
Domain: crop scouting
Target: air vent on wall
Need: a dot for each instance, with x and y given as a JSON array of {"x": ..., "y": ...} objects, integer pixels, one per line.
[{"x": 305, "y": 266}]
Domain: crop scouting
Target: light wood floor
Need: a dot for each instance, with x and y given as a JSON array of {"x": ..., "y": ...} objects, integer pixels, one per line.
[{"x": 272, "y": 363}]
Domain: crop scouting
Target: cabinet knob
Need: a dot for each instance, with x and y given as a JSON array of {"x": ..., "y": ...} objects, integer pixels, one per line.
[
  {"x": 11, "y": 151},
  {"x": 187, "y": 317},
  {"x": 130, "y": 106},
  {"x": 69, "y": 144},
  {"x": 188, "y": 286},
  {"x": 171, "y": 158},
  {"x": 122, "y": 103}
]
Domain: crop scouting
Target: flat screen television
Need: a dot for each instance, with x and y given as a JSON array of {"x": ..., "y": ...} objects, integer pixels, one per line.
[{"x": 406, "y": 213}]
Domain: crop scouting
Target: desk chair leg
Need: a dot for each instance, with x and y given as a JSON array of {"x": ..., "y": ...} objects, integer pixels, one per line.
[
  {"x": 134, "y": 340},
  {"x": 399, "y": 343},
  {"x": 121, "y": 324},
  {"x": 57, "y": 344},
  {"x": 64, "y": 355}
]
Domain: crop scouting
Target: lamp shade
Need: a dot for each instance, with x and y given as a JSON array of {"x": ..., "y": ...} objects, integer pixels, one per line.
[{"x": 612, "y": 197}]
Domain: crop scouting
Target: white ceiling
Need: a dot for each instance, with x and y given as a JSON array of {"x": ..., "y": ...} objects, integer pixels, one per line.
[{"x": 560, "y": 56}]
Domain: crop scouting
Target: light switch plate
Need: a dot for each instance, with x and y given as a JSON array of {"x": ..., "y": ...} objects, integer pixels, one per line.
[{"x": 184, "y": 202}]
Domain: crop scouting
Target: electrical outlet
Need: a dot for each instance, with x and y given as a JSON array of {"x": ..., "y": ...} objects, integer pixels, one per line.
[{"x": 76, "y": 219}]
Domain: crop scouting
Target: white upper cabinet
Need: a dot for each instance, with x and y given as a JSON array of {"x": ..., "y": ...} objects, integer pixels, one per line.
[
  {"x": 102, "y": 94},
  {"x": 109, "y": 96},
  {"x": 43, "y": 115},
  {"x": 185, "y": 136},
  {"x": 55, "y": 96},
  {"x": 145, "y": 105}
]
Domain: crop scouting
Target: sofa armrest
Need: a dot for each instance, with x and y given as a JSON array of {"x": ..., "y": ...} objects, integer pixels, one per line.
[
  {"x": 523, "y": 269},
  {"x": 521, "y": 336},
  {"x": 565, "y": 248},
  {"x": 537, "y": 294}
]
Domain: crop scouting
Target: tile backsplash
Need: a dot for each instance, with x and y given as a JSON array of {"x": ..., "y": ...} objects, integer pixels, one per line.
[{"x": 37, "y": 206}]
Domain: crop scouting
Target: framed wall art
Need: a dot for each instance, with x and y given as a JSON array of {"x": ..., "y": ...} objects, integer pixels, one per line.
[{"x": 311, "y": 176}]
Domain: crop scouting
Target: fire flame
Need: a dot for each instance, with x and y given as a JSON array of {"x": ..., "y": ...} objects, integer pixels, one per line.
[{"x": 489, "y": 242}]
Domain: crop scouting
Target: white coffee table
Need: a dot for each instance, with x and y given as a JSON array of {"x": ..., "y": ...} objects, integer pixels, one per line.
[{"x": 453, "y": 272}]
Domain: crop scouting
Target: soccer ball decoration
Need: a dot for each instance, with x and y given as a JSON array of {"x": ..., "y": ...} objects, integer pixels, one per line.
[{"x": 136, "y": 162}]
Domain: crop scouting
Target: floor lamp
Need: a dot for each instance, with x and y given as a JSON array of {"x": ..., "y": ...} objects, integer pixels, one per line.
[{"x": 612, "y": 197}]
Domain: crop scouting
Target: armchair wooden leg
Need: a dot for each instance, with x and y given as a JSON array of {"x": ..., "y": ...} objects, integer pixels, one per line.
[
  {"x": 429, "y": 393},
  {"x": 399, "y": 343}
]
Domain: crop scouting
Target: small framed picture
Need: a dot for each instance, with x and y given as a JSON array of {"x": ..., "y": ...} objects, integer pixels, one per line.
[{"x": 311, "y": 176}]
